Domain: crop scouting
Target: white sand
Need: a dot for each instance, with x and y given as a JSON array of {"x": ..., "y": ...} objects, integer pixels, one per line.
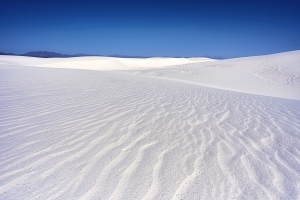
[
  {"x": 82, "y": 134},
  {"x": 98, "y": 63},
  {"x": 276, "y": 75}
]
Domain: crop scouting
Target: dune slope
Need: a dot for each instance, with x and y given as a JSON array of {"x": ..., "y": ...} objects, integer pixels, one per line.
[
  {"x": 276, "y": 75},
  {"x": 79, "y": 134}
]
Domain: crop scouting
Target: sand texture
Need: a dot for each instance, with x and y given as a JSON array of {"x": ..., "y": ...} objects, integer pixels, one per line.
[{"x": 84, "y": 134}]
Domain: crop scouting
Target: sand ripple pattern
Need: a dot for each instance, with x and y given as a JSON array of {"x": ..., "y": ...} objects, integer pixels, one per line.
[{"x": 71, "y": 134}]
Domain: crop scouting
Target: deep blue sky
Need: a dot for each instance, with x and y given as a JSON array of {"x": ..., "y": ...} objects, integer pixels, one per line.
[{"x": 151, "y": 28}]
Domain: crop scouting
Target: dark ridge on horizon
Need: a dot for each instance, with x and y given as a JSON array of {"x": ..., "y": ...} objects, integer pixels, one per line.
[
  {"x": 9, "y": 54},
  {"x": 48, "y": 54}
]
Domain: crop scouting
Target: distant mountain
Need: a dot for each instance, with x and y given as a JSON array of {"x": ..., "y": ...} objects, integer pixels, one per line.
[
  {"x": 48, "y": 54},
  {"x": 2, "y": 53},
  {"x": 45, "y": 54}
]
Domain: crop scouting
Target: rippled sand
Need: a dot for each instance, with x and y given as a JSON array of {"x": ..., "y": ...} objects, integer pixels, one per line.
[
  {"x": 79, "y": 134},
  {"x": 75, "y": 134}
]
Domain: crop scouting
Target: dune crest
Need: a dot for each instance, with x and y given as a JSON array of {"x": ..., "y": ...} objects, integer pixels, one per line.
[{"x": 98, "y": 63}]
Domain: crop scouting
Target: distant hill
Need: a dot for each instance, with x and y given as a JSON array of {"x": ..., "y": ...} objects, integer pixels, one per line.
[
  {"x": 45, "y": 54},
  {"x": 2, "y": 53},
  {"x": 48, "y": 54}
]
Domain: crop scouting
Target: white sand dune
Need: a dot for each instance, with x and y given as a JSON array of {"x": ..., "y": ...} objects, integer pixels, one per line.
[
  {"x": 82, "y": 134},
  {"x": 276, "y": 75},
  {"x": 98, "y": 63}
]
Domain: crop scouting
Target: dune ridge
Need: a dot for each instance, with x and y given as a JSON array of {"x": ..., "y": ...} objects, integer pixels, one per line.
[
  {"x": 98, "y": 62},
  {"x": 276, "y": 75}
]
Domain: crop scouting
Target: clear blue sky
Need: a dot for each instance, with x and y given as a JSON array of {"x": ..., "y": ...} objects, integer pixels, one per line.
[{"x": 151, "y": 28}]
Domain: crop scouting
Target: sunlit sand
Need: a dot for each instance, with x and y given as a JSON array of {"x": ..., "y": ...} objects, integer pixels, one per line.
[{"x": 157, "y": 128}]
